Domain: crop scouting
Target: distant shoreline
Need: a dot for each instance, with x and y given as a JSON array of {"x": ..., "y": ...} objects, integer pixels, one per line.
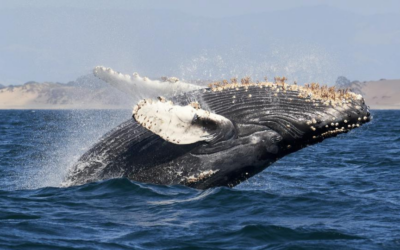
[
  {"x": 67, "y": 108},
  {"x": 87, "y": 95},
  {"x": 53, "y": 109}
]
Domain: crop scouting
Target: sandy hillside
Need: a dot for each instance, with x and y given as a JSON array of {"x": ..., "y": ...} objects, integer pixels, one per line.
[
  {"x": 383, "y": 94},
  {"x": 61, "y": 96}
]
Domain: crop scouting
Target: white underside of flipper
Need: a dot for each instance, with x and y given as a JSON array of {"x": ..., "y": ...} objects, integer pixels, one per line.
[
  {"x": 139, "y": 87},
  {"x": 180, "y": 124}
]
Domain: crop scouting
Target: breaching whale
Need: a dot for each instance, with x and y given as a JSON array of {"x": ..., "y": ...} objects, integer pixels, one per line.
[{"x": 215, "y": 136}]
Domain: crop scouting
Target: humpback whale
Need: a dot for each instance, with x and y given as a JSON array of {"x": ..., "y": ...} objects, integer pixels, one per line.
[{"x": 220, "y": 135}]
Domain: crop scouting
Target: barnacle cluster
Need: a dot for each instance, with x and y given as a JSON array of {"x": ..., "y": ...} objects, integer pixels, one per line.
[
  {"x": 313, "y": 91},
  {"x": 201, "y": 176}
]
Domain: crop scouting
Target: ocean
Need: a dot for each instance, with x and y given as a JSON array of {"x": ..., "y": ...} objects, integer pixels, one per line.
[{"x": 343, "y": 193}]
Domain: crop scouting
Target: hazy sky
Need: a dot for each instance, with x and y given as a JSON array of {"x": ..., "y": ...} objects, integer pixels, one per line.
[
  {"x": 308, "y": 40},
  {"x": 214, "y": 8}
]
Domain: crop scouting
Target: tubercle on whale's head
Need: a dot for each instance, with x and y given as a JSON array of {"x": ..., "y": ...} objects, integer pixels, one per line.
[{"x": 336, "y": 118}]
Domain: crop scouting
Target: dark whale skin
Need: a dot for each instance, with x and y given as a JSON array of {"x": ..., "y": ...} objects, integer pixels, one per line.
[{"x": 268, "y": 125}]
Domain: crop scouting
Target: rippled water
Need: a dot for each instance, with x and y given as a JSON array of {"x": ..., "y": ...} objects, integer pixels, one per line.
[{"x": 341, "y": 194}]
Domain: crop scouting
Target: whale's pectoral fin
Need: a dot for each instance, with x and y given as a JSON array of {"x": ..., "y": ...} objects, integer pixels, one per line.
[
  {"x": 123, "y": 82},
  {"x": 137, "y": 86},
  {"x": 182, "y": 124}
]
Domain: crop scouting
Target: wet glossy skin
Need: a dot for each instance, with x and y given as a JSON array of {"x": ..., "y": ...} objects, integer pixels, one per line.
[{"x": 270, "y": 122}]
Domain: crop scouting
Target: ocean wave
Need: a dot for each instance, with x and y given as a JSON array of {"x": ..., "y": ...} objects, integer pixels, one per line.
[{"x": 341, "y": 194}]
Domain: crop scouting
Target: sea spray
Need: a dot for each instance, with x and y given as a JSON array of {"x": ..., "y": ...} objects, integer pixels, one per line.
[
  {"x": 298, "y": 62},
  {"x": 61, "y": 137}
]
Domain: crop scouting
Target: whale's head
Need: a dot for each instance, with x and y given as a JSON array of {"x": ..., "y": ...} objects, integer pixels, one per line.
[
  {"x": 299, "y": 114},
  {"x": 272, "y": 120}
]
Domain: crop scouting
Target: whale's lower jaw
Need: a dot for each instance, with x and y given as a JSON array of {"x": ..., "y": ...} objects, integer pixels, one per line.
[{"x": 269, "y": 122}]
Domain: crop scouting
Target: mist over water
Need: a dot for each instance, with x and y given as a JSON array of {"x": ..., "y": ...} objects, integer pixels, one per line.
[{"x": 298, "y": 62}]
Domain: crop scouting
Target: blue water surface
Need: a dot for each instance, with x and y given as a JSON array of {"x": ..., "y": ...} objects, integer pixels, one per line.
[{"x": 343, "y": 193}]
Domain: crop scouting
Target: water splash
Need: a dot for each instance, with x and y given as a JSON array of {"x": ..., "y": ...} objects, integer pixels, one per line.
[
  {"x": 301, "y": 63},
  {"x": 60, "y": 138}
]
